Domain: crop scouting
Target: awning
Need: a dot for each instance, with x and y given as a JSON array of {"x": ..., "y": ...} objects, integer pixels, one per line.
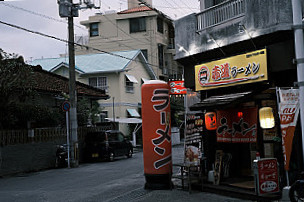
[
  {"x": 145, "y": 80},
  {"x": 126, "y": 120},
  {"x": 222, "y": 101},
  {"x": 133, "y": 113},
  {"x": 131, "y": 78}
]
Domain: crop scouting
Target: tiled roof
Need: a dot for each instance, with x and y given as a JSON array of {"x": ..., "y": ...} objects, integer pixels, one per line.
[
  {"x": 137, "y": 9},
  {"x": 49, "y": 82},
  {"x": 92, "y": 63}
]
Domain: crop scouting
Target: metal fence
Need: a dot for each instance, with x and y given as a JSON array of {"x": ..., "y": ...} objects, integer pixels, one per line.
[{"x": 220, "y": 13}]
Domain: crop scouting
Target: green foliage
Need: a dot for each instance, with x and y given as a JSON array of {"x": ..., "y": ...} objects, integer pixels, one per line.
[
  {"x": 16, "y": 85},
  {"x": 177, "y": 107},
  {"x": 86, "y": 113}
]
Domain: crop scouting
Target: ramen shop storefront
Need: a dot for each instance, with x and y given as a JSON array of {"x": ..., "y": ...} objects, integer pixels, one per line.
[{"x": 238, "y": 139}]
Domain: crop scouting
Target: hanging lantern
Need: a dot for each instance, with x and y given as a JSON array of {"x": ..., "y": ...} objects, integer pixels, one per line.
[
  {"x": 266, "y": 118},
  {"x": 240, "y": 114},
  {"x": 210, "y": 120}
]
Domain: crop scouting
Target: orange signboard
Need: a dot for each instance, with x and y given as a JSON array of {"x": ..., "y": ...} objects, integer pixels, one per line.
[
  {"x": 241, "y": 69},
  {"x": 156, "y": 128},
  {"x": 289, "y": 110}
]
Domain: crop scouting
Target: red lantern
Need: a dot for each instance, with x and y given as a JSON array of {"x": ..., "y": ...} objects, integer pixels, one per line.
[
  {"x": 210, "y": 120},
  {"x": 240, "y": 114}
]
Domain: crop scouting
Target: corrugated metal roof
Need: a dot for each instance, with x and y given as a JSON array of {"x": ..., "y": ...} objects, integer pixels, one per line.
[{"x": 92, "y": 63}]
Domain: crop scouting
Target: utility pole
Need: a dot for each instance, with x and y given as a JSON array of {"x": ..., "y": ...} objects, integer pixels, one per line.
[
  {"x": 73, "y": 94},
  {"x": 70, "y": 10},
  {"x": 299, "y": 50}
]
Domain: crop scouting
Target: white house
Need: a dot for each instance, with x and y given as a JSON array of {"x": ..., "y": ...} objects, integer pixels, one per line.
[{"x": 120, "y": 73}]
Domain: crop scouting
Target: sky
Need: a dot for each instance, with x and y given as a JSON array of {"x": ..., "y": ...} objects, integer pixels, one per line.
[{"x": 43, "y": 17}]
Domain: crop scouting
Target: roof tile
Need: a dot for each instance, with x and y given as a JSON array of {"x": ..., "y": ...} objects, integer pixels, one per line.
[{"x": 137, "y": 9}]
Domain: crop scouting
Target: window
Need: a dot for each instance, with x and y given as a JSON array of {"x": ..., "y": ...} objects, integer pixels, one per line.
[
  {"x": 145, "y": 53},
  {"x": 130, "y": 80},
  {"x": 103, "y": 116},
  {"x": 137, "y": 25},
  {"x": 160, "y": 25},
  {"x": 161, "y": 55},
  {"x": 94, "y": 29},
  {"x": 120, "y": 137},
  {"x": 99, "y": 82},
  {"x": 129, "y": 86}
]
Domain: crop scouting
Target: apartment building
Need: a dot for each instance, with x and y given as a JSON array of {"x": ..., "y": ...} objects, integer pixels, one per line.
[{"x": 139, "y": 27}]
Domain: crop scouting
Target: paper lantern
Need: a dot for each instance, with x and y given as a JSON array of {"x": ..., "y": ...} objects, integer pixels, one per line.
[
  {"x": 266, "y": 117},
  {"x": 240, "y": 114},
  {"x": 210, "y": 120}
]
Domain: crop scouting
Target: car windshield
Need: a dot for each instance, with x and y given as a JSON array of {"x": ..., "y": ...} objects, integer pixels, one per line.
[
  {"x": 115, "y": 136},
  {"x": 95, "y": 137}
]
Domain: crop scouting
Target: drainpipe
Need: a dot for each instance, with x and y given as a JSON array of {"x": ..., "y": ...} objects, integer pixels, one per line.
[{"x": 299, "y": 50}]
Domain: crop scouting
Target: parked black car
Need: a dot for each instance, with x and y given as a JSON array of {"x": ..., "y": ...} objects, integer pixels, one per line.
[{"x": 107, "y": 145}]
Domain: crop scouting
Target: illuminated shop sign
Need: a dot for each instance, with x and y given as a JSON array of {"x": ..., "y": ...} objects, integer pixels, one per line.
[
  {"x": 241, "y": 69},
  {"x": 177, "y": 88}
]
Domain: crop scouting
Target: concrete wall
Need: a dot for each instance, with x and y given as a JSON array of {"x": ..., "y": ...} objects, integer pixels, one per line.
[
  {"x": 24, "y": 158},
  {"x": 261, "y": 17}
]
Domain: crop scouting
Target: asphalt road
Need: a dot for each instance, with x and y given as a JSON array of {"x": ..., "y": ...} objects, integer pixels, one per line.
[{"x": 121, "y": 180}]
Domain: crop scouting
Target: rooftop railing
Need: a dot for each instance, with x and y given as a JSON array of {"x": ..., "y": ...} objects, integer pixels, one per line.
[{"x": 220, "y": 13}]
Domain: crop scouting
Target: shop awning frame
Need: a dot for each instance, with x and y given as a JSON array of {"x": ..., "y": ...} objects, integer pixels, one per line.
[{"x": 221, "y": 101}]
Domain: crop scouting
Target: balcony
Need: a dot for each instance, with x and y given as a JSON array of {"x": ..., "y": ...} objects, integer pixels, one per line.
[
  {"x": 229, "y": 23},
  {"x": 220, "y": 13}
]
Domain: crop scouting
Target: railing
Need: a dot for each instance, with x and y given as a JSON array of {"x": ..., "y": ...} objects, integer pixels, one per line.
[
  {"x": 220, "y": 13},
  {"x": 13, "y": 137}
]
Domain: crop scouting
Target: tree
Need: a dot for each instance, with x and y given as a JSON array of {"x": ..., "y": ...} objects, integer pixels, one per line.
[
  {"x": 87, "y": 112},
  {"x": 177, "y": 106},
  {"x": 16, "y": 84}
]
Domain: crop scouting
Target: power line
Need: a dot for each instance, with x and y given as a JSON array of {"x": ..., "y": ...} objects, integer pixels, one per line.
[
  {"x": 61, "y": 21},
  {"x": 65, "y": 41},
  {"x": 186, "y": 5},
  {"x": 38, "y": 14},
  {"x": 108, "y": 20}
]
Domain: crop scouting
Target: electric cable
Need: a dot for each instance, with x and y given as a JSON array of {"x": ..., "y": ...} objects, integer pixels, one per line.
[
  {"x": 66, "y": 41},
  {"x": 38, "y": 14}
]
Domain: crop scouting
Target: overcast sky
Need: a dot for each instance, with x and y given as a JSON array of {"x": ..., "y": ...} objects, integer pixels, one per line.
[{"x": 42, "y": 16}]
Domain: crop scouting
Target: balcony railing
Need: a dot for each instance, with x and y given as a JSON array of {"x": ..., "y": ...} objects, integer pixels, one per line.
[{"x": 220, "y": 13}]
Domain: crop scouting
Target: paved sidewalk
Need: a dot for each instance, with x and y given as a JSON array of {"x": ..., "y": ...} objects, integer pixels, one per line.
[{"x": 176, "y": 195}]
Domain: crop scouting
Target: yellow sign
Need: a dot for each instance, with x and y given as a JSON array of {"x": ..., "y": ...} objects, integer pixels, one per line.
[{"x": 241, "y": 69}]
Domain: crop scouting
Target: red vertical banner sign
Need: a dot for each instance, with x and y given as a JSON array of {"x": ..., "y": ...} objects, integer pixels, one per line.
[
  {"x": 156, "y": 131},
  {"x": 233, "y": 128},
  {"x": 288, "y": 110}
]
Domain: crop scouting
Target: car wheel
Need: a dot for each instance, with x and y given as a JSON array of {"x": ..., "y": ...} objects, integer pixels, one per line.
[
  {"x": 130, "y": 153},
  {"x": 111, "y": 156}
]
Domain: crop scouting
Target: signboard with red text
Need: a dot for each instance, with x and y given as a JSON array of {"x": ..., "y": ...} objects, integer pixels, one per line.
[
  {"x": 241, "y": 69},
  {"x": 177, "y": 88},
  {"x": 266, "y": 176}
]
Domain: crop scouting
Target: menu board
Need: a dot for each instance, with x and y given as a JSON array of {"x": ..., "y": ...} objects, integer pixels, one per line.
[
  {"x": 193, "y": 138},
  {"x": 266, "y": 176}
]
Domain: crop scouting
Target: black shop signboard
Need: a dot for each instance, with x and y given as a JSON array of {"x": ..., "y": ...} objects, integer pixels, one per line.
[{"x": 193, "y": 138}]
